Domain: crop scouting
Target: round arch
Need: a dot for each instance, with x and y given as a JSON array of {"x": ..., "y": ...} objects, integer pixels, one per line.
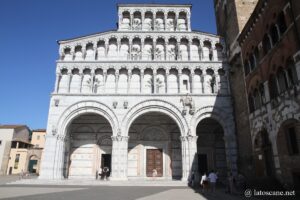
[
  {"x": 85, "y": 107},
  {"x": 216, "y": 114},
  {"x": 155, "y": 106}
]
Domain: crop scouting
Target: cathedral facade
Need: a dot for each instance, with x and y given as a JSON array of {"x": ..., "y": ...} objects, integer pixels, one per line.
[{"x": 148, "y": 99}]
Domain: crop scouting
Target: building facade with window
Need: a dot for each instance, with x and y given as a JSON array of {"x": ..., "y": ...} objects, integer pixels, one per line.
[
  {"x": 148, "y": 99},
  {"x": 270, "y": 49}
]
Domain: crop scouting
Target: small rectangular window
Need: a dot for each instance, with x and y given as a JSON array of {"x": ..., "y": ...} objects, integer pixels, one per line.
[{"x": 17, "y": 159}]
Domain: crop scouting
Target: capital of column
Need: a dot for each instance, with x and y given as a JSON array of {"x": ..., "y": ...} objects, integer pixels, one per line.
[{"x": 120, "y": 138}]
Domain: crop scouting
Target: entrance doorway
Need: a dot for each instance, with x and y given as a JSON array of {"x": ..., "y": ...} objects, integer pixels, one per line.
[
  {"x": 106, "y": 162},
  {"x": 32, "y": 166},
  {"x": 154, "y": 162}
]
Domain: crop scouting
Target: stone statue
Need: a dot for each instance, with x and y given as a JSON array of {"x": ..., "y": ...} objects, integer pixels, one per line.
[
  {"x": 148, "y": 24},
  {"x": 187, "y": 101},
  {"x": 172, "y": 52},
  {"x": 159, "y": 24},
  {"x": 136, "y": 24},
  {"x": 170, "y": 24},
  {"x": 159, "y": 52}
]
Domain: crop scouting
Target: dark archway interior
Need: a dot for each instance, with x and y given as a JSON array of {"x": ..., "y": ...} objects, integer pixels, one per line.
[{"x": 211, "y": 148}]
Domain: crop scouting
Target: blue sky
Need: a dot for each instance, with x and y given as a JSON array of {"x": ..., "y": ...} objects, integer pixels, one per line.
[{"x": 28, "y": 49}]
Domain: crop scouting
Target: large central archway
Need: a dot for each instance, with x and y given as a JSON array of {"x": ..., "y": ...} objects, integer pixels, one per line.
[
  {"x": 89, "y": 146},
  {"x": 154, "y": 147}
]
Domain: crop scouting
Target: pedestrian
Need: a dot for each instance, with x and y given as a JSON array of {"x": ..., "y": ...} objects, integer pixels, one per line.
[
  {"x": 204, "y": 182},
  {"x": 193, "y": 179},
  {"x": 212, "y": 180},
  {"x": 105, "y": 173}
]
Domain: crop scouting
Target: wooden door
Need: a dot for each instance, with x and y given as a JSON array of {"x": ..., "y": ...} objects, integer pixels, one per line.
[{"x": 154, "y": 161}]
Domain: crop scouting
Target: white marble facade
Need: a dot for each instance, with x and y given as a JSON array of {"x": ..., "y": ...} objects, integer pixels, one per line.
[{"x": 144, "y": 86}]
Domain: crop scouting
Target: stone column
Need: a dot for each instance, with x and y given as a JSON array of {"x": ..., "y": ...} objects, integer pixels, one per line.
[
  {"x": 176, "y": 21},
  {"x": 179, "y": 80},
  {"x": 167, "y": 80},
  {"x": 142, "y": 80},
  {"x": 165, "y": 21},
  {"x": 154, "y": 50},
  {"x": 117, "y": 81},
  {"x": 106, "y": 48},
  {"x": 192, "y": 82},
  {"x": 59, "y": 157},
  {"x": 58, "y": 77},
  {"x": 190, "y": 42},
  {"x": 192, "y": 155},
  {"x": 143, "y": 19},
  {"x": 154, "y": 82},
  {"x": 129, "y": 74},
  {"x": 131, "y": 21},
  {"x": 178, "y": 51},
  {"x": 104, "y": 79},
  {"x": 184, "y": 158},
  {"x": 130, "y": 50},
  {"x": 69, "y": 81},
  {"x": 188, "y": 21},
  {"x": 119, "y": 157},
  {"x": 81, "y": 80},
  {"x": 92, "y": 81}
]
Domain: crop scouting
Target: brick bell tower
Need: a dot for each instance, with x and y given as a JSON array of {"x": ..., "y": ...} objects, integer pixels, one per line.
[{"x": 231, "y": 17}]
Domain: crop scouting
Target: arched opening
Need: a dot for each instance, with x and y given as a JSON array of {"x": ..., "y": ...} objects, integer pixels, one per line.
[
  {"x": 135, "y": 81},
  {"x": 75, "y": 81},
  {"x": 33, "y": 164},
  {"x": 288, "y": 144},
  {"x": 67, "y": 54},
  {"x": 101, "y": 50},
  {"x": 195, "y": 50},
  {"x": 89, "y": 146},
  {"x": 263, "y": 155},
  {"x": 281, "y": 22},
  {"x": 154, "y": 145},
  {"x": 148, "y": 49},
  {"x": 78, "y": 53},
  {"x": 148, "y": 81},
  {"x": 122, "y": 81},
  {"x": 159, "y": 21},
  {"x": 86, "y": 81},
  {"x": 148, "y": 21},
  {"x": 137, "y": 21},
  {"x": 198, "y": 82},
  {"x": 170, "y": 23},
  {"x": 110, "y": 85},
  {"x": 282, "y": 80},
  {"x": 211, "y": 148},
  {"x": 99, "y": 81},
  {"x": 173, "y": 84},
  {"x": 206, "y": 51},
  {"x": 160, "y": 49},
  {"x": 136, "y": 49},
  {"x": 90, "y": 52},
  {"x": 182, "y": 22},
  {"x": 183, "y": 49},
  {"x": 274, "y": 34},
  {"x": 112, "y": 53},
  {"x": 171, "y": 49},
  {"x": 125, "y": 24},
  {"x": 161, "y": 81},
  {"x": 63, "y": 82},
  {"x": 124, "y": 49}
]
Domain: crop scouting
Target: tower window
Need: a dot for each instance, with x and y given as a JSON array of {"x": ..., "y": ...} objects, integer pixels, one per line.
[{"x": 185, "y": 84}]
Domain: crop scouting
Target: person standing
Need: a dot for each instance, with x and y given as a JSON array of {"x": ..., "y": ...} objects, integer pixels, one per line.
[
  {"x": 105, "y": 173},
  {"x": 204, "y": 182},
  {"x": 212, "y": 180}
]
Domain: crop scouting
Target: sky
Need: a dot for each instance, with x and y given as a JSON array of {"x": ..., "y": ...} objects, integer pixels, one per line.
[{"x": 29, "y": 30}]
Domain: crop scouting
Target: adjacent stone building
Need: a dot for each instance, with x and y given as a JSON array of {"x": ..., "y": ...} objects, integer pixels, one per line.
[
  {"x": 151, "y": 96},
  {"x": 265, "y": 69},
  {"x": 9, "y": 134},
  {"x": 270, "y": 47}
]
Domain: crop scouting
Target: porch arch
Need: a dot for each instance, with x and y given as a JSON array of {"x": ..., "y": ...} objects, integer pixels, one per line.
[{"x": 154, "y": 106}]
